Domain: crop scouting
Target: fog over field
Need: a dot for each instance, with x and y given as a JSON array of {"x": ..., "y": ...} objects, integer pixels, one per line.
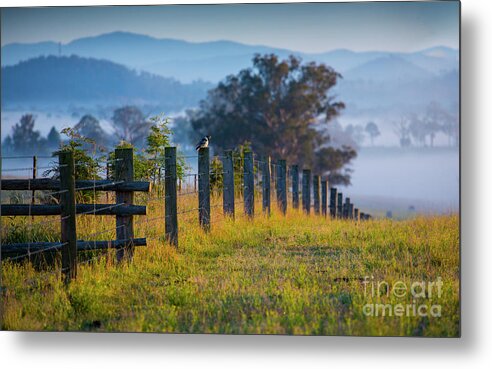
[
  {"x": 397, "y": 179},
  {"x": 384, "y": 178}
]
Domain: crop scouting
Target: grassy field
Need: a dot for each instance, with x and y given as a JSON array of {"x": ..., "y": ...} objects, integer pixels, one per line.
[{"x": 296, "y": 274}]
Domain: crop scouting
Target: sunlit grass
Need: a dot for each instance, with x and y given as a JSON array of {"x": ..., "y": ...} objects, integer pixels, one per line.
[{"x": 293, "y": 274}]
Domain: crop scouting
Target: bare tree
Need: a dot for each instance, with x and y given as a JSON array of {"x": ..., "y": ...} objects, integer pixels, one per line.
[
  {"x": 130, "y": 125},
  {"x": 373, "y": 131},
  {"x": 401, "y": 127},
  {"x": 417, "y": 129}
]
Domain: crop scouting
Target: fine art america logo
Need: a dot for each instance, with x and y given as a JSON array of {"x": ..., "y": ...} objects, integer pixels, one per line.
[{"x": 407, "y": 299}]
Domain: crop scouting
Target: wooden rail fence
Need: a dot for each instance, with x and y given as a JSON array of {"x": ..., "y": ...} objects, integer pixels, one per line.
[
  {"x": 67, "y": 209},
  {"x": 315, "y": 192}
]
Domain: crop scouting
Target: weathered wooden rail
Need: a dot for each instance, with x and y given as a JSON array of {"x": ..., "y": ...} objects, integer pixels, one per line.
[
  {"x": 16, "y": 248},
  {"x": 46, "y": 184},
  {"x": 80, "y": 209}
]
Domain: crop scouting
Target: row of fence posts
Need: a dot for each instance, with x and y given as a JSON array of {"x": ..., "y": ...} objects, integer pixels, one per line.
[
  {"x": 124, "y": 187},
  {"x": 335, "y": 208}
]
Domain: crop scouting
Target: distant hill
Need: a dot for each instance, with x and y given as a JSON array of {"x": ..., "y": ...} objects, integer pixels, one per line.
[
  {"x": 209, "y": 61},
  {"x": 388, "y": 68},
  {"x": 16, "y": 52},
  {"x": 380, "y": 97},
  {"x": 50, "y": 79}
]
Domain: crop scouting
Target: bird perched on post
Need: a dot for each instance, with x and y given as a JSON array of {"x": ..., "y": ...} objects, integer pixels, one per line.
[{"x": 203, "y": 143}]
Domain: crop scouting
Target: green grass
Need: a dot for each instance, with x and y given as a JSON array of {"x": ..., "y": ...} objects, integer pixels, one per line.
[{"x": 280, "y": 275}]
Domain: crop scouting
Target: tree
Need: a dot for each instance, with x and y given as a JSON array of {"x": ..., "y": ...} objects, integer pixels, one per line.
[
  {"x": 333, "y": 160},
  {"x": 436, "y": 119},
  {"x": 431, "y": 121},
  {"x": 402, "y": 130},
  {"x": 182, "y": 130},
  {"x": 451, "y": 128},
  {"x": 7, "y": 146},
  {"x": 25, "y": 140},
  {"x": 238, "y": 165},
  {"x": 142, "y": 166},
  {"x": 417, "y": 129},
  {"x": 53, "y": 139},
  {"x": 216, "y": 174},
  {"x": 158, "y": 139},
  {"x": 87, "y": 166},
  {"x": 148, "y": 160},
  {"x": 130, "y": 125},
  {"x": 276, "y": 105},
  {"x": 373, "y": 131},
  {"x": 356, "y": 132},
  {"x": 89, "y": 127},
  {"x": 338, "y": 135}
]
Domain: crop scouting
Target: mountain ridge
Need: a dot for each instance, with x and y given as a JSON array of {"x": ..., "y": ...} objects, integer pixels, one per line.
[
  {"x": 164, "y": 56},
  {"x": 148, "y": 37}
]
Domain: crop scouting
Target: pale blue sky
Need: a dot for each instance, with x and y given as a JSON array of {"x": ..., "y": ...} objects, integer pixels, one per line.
[{"x": 390, "y": 26}]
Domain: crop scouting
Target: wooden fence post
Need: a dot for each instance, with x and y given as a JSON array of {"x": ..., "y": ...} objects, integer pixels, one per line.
[
  {"x": 324, "y": 196},
  {"x": 34, "y": 176},
  {"x": 273, "y": 174},
  {"x": 68, "y": 220},
  {"x": 171, "y": 197},
  {"x": 249, "y": 184},
  {"x": 282, "y": 186},
  {"x": 340, "y": 205},
  {"x": 346, "y": 207},
  {"x": 294, "y": 170},
  {"x": 108, "y": 159},
  {"x": 228, "y": 184},
  {"x": 204, "y": 187},
  {"x": 257, "y": 173},
  {"x": 316, "y": 188},
  {"x": 333, "y": 202},
  {"x": 266, "y": 185},
  {"x": 306, "y": 190},
  {"x": 124, "y": 223}
]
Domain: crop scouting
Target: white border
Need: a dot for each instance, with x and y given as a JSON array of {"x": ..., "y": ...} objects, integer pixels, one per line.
[{"x": 71, "y": 350}]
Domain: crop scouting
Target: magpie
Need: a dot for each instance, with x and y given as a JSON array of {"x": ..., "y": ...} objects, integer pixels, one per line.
[{"x": 203, "y": 143}]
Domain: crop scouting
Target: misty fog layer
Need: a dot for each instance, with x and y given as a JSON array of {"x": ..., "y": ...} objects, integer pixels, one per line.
[{"x": 427, "y": 180}]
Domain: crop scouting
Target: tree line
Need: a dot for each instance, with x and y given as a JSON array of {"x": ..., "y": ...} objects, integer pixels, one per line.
[
  {"x": 421, "y": 129},
  {"x": 129, "y": 124}
]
